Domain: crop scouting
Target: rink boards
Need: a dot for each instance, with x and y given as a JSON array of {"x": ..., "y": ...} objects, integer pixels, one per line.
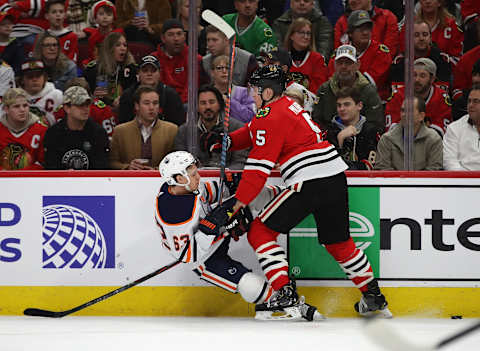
[{"x": 66, "y": 238}]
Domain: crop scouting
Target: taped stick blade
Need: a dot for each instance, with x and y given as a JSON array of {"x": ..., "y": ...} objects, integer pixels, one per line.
[{"x": 217, "y": 21}]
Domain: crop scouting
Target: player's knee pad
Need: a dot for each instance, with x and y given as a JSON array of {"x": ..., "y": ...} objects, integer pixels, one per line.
[
  {"x": 260, "y": 234},
  {"x": 253, "y": 288}
]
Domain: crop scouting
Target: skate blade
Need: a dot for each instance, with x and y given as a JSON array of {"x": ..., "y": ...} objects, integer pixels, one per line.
[
  {"x": 385, "y": 313},
  {"x": 289, "y": 313},
  {"x": 317, "y": 316}
]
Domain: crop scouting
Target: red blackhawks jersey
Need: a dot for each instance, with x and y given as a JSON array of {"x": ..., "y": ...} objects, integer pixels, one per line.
[
  {"x": 68, "y": 42},
  {"x": 99, "y": 111},
  {"x": 462, "y": 74},
  {"x": 22, "y": 150},
  {"x": 470, "y": 9},
  {"x": 282, "y": 132},
  {"x": 375, "y": 64},
  {"x": 313, "y": 66},
  {"x": 438, "y": 112}
]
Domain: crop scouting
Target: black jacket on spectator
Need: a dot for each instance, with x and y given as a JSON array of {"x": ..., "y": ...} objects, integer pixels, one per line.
[
  {"x": 14, "y": 55},
  {"x": 171, "y": 106},
  {"x": 76, "y": 149}
]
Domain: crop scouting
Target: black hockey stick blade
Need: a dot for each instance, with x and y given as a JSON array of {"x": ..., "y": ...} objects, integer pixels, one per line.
[{"x": 37, "y": 312}]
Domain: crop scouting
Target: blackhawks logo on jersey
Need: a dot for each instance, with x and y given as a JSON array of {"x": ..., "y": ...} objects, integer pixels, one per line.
[
  {"x": 263, "y": 112},
  {"x": 15, "y": 156}
]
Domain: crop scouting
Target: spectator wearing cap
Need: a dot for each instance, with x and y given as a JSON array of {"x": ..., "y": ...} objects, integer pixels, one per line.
[
  {"x": 320, "y": 26},
  {"x": 76, "y": 142},
  {"x": 244, "y": 65},
  {"x": 242, "y": 105},
  {"x": 143, "y": 142},
  {"x": 173, "y": 57},
  {"x": 253, "y": 34},
  {"x": 113, "y": 72},
  {"x": 384, "y": 30},
  {"x": 347, "y": 75},
  {"x": 461, "y": 146},
  {"x": 104, "y": 13},
  {"x": 462, "y": 78},
  {"x": 11, "y": 49},
  {"x": 375, "y": 58},
  {"x": 438, "y": 113},
  {"x": 423, "y": 47},
  {"x": 21, "y": 133},
  {"x": 459, "y": 105},
  {"x": 43, "y": 97},
  {"x": 170, "y": 104},
  {"x": 300, "y": 42},
  {"x": 58, "y": 66},
  {"x": 99, "y": 111},
  {"x": 143, "y": 20},
  {"x": 427, "y": 144}
]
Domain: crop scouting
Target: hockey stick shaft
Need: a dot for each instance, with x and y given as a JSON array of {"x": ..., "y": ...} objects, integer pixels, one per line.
[
  {"x": 458, "y": 335},
  {"x": 46, "y": 313}
]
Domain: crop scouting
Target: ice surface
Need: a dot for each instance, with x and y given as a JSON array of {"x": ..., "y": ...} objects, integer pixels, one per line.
[{"x": 214, "y": 334}]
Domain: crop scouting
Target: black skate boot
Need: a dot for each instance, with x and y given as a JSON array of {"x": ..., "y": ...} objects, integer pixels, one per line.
[
  {"x": 373, "y": 301},
  {"x": 283, "y": 304}
]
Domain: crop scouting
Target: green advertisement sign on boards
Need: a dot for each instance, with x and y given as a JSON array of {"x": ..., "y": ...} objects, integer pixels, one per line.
[{"x": 310, "y": 260}]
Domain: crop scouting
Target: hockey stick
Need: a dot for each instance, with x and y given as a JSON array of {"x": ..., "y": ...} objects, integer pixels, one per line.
[
  {"x": 46, "y": 313},
  {"x": 385, "y": 336},
  {"x": 217, "y": 21}
]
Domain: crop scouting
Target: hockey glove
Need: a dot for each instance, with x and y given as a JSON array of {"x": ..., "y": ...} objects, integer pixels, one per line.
[
  {"x": 239, "y": 223},
  {"x": 212, "y": 142},
  {"x": 232, "y": 179},
  {"x": 214, "y": 222}
]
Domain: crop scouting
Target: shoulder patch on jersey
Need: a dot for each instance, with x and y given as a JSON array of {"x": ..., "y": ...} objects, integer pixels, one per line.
[
  {"x": 268, "y": 32},
  {"x": 447, "y": 100},
  {"x": 263, "y": 112},
  {"x": 295, "y": 108},
  {"x": 58, "y": 108},
  {"x": 384, "y": 48},
  {"x": 99, "y": 104},
  {"x": 92, "y": 63}
]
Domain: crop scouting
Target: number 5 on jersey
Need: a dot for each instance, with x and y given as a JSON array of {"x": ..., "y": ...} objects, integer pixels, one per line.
[{"x": 260, "y": 139}]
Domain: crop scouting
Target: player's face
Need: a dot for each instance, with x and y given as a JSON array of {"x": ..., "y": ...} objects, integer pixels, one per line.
[
  {"x": 104, "y": 17},
  {"x": 148, "y": 107},
  {"x": 345, "y": 69},
  {"x": 246, "y": 8},
  {"x": 361, "y": 35},
  {"x": 149, "y": 75},
  {"x": 17, "y": 112},
  {"x": 194, "y": 176},
  {"x": 208, "y": 106},
  {"x": 216, "y": 43},
  {"x": 418, "y": 117},
  {"x": 33, "y": 82},
  {"x": 301, "y": 7},
  {"x": 56, "y": 15},
  {"x": 120, "y": 50},
  {"x": 50, "y": 49},
  {"x": 6, "y": 27},
  {"x": 421, "y": 36},
  {"x": 423, "y": 81},
  {"x": 220, "y": 72},
  {"x": 360, "y": 4},
  {"x": 257, "y": 97},
  {"x": 348, "y": 110},
  {"x": 473, "y": 105},
  {"x": 78, "y": 112},
  {"x": 429, "y": 6},
  {"x": 174, "y": 40},
  {"x": 302, "y": 38}
]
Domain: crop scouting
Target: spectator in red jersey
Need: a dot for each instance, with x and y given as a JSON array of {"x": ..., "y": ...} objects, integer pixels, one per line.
[
  {"x": 104, "y": 13},
  {"x": 375, "y": 58},
  {"x": 173, "y": 57},
  {"x": 300, "y": 41},
  {"x": 320, "y": 26},
  {"x": 462, "y": 78},
  {"x": 11, "y": 50},
  {"x": 438, "y": 113},
  {"x": 59, "y": 67},
  {"x": 384, "y": 30},
  {"x": 21, "y": 133},
  {"x": 142, "y": 20},
  {"x": 55, "y": 15},
  {"x": 445, "y": 31},
  {"x": 113, "y": 72},
  {"x": 99, "y": 111},
  {"x": 424, "y": 47},
  {"x": 459, "y": 105}
]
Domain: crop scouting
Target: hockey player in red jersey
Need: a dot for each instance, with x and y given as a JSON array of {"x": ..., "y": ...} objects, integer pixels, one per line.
[
  {"x": 283, "y": 133},
  {"x": 21, "y": 133}
]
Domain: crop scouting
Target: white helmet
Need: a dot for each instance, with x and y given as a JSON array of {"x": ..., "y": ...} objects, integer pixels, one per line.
[{"x": 176, "y": 163}]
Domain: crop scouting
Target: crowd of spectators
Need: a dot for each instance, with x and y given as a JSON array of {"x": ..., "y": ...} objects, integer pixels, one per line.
[{"x": 88, "y": 84}]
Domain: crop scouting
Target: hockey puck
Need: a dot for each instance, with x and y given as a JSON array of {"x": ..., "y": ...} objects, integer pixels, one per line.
[{"x": 456, "y": 317}]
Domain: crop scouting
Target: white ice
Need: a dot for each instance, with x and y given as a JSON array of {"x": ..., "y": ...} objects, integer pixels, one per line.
[{"x": 214, "y": 334}]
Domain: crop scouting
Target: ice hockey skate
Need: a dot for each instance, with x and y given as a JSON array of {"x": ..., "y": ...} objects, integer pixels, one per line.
[
  {"x": 373, "y": 302},
  {"x": 285, "y": 304}
]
